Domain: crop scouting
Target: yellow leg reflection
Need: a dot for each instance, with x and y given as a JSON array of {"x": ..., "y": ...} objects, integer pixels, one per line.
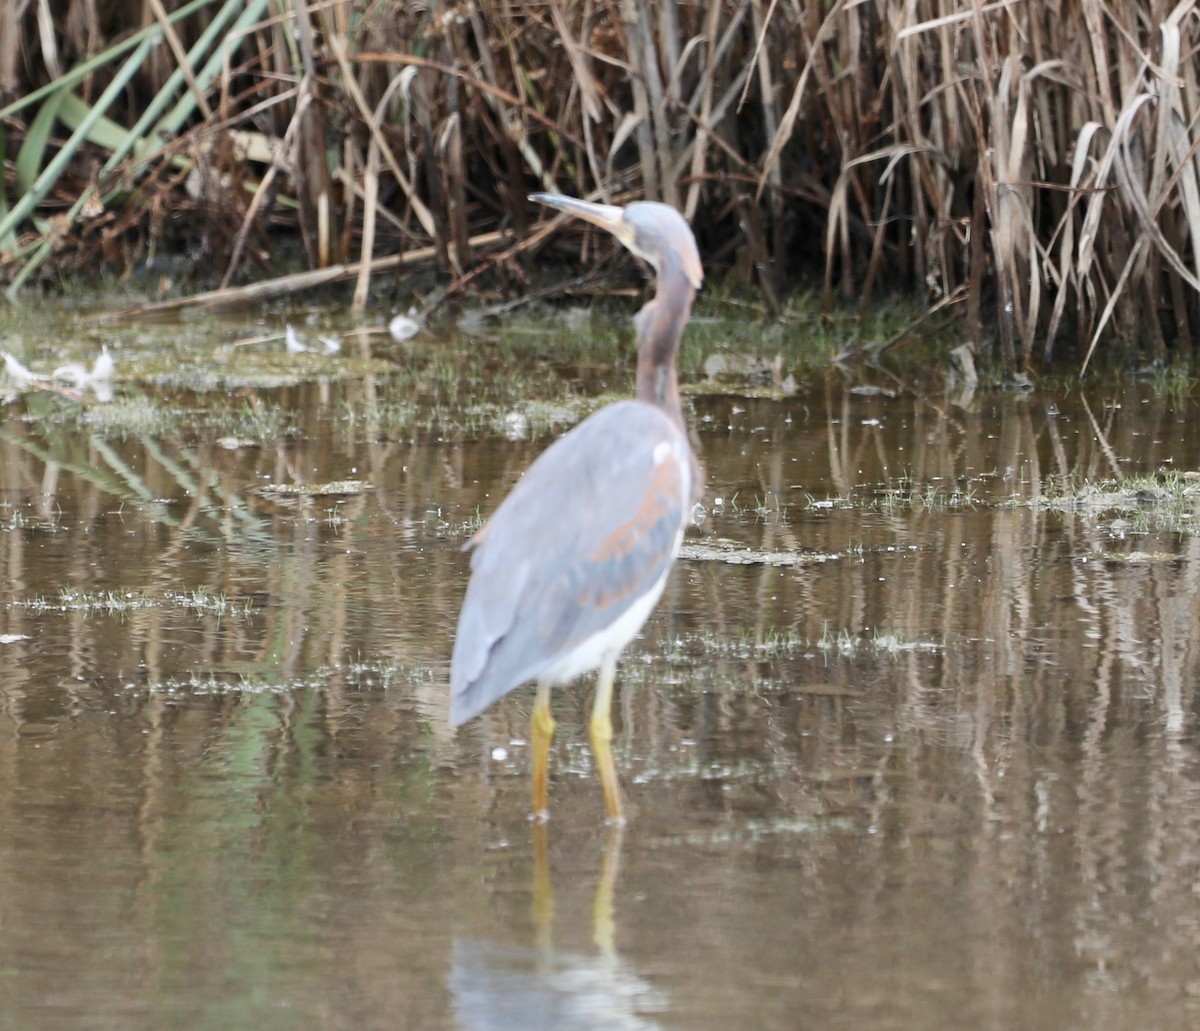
[
  {"x": 604, "y": 922},
  {"x": 601, "y": 733},
  {"x": 543, "y": 890},
  {"x": 543, "y": 734},
  {"x": 506, "y": 984}
]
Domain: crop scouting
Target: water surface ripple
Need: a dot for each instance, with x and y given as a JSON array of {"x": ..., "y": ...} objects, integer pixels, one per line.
[{"x": 910, "y": 741}]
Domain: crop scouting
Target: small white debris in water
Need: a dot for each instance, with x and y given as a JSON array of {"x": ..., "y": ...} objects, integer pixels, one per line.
[
  {"x": 72, "y": 373},
  {"x": 17, "y": 372},
  {"x": 294, "y": 344},
  {"x": 103, "y": 367},
  {"x": 576, "y": 318},
  {"x": 499, "y": 754},
  {"x": 13, "y": 638},
  {"x": 402, "y": 327},
  {"x": 332, "y": 344},
  {"x": 516, "y": 426}
]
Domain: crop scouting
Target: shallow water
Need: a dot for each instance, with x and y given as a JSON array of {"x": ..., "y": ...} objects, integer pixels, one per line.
[{"x": 923, "y": 755}]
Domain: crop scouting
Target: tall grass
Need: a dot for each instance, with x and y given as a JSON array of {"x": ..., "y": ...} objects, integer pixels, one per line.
[{"x": 1030, "y": 165}]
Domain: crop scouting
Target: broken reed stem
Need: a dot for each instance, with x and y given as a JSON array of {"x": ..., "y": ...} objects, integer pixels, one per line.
[{"x": 294, "y": 282}]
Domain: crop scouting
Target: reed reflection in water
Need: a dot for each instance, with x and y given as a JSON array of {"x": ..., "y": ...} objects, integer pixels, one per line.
[{"x": 923, "y": 755}]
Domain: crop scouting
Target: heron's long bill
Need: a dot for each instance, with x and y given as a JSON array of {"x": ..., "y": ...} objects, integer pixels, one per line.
[{"x": 606, "y": 216}]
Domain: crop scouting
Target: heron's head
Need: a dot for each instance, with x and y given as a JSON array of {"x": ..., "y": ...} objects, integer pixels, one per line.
[{"x": 653, "y": 231}]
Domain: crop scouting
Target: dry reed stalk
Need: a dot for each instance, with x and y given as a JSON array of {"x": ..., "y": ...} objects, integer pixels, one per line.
[
  {"x": 180, "y": 56},
  {"x": 707, "y": 85},
  {"x": 580, "y": 66},
  {"x": 788, "y": 123},
  {"x": 1042, "y": 160},
  {"x": 281, "y": 153},
  {"x": 509, "y": 130},
  {"x": 447, "y": 154},
  {"x": 639, "y": 48},
  {"x": 474, "y": 82},
  {"x": 1185, "y": 156},
  {"x": 370, "y": 190},
  {"x": 770, "y": 117},
  {"x": 310, "y": 166},
  {"x": 451, "y": 160},
  {"x": 11, "y": 14},
  {"x": 403, "y": 83}
]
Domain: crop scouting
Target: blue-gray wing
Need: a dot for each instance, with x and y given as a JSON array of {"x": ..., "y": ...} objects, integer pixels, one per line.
[{"x": 591, "y": 527}]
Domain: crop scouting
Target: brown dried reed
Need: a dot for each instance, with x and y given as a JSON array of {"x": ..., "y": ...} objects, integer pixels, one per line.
[{"x": 1032, "y": 164}]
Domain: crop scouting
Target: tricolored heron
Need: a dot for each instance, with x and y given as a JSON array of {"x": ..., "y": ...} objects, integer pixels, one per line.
[{"x": 573, "y": 561}]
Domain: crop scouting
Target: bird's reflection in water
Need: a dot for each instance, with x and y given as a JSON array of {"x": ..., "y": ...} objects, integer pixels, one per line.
[{"x": 501, "y": 987}]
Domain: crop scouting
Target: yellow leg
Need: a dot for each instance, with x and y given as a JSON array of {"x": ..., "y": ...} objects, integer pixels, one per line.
[
  {"x": 601, "y": 732},
  {"x": 543, "y": 734}
]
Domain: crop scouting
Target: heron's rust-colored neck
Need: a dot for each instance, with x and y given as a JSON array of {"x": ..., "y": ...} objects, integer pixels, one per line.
[{"x": 659, "y": 328}]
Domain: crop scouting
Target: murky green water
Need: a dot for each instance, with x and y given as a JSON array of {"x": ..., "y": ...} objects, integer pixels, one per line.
[{"x": 925, "y": 756}]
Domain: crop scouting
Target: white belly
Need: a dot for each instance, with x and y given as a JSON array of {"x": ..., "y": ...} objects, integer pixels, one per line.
[{"x": 610, "y": 641}]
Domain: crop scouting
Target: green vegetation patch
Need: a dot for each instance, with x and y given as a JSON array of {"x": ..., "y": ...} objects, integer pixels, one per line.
[
  {"x": 123, "y": 602},
  {"x": 1134, "y": 505}
]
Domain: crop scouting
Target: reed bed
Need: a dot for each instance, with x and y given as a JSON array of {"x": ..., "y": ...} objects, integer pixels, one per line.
[{"x": 1028, "y": 167}]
